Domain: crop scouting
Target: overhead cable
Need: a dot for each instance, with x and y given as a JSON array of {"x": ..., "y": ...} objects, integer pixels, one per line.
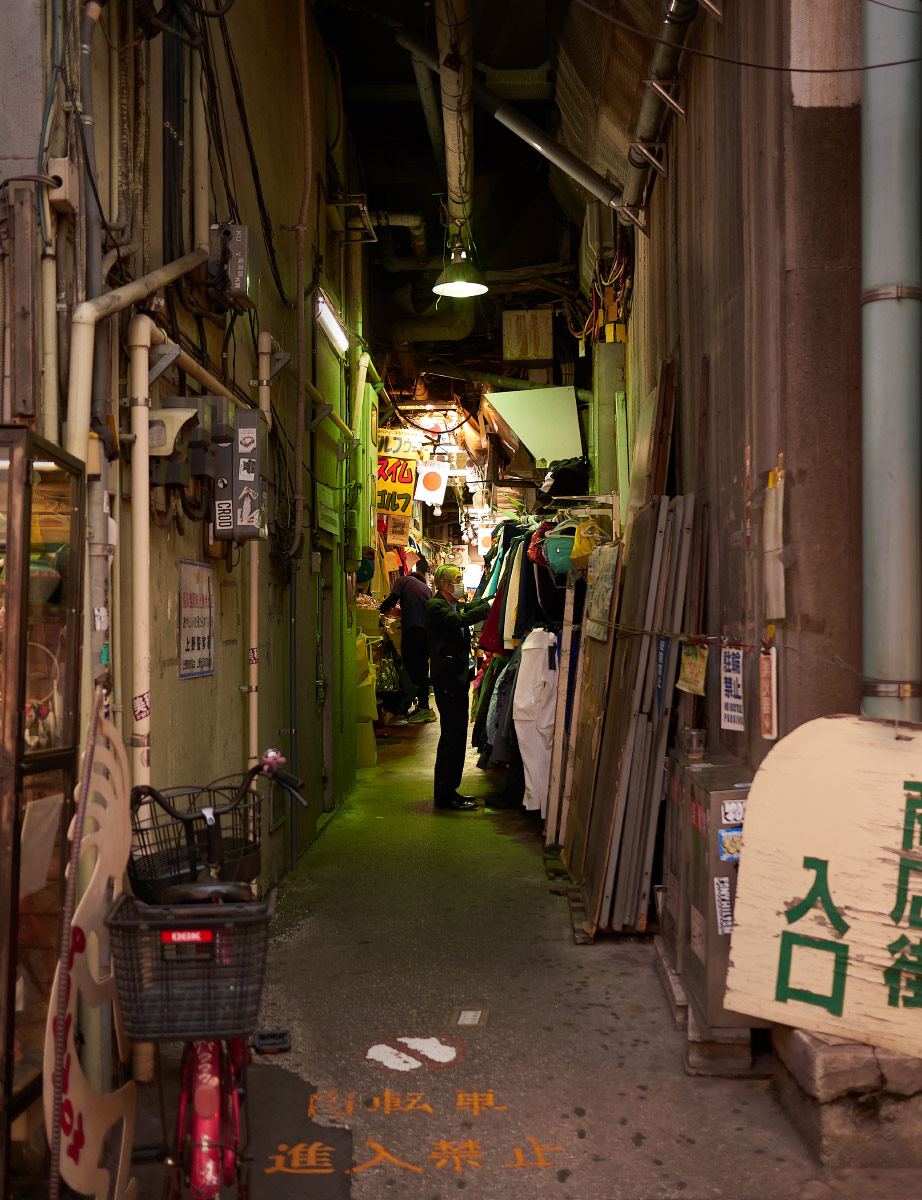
[{"x": 739, "y": 62}]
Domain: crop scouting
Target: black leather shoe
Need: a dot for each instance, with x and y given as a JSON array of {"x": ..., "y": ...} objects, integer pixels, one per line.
[{"x": 458, "y": 803}]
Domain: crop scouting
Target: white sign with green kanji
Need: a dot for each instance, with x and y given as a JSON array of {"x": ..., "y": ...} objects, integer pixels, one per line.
[{"x": 827, "y": 928}]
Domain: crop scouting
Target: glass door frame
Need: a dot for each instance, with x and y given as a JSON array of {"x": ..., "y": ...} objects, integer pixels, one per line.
[{"x": 17, "y": 761}]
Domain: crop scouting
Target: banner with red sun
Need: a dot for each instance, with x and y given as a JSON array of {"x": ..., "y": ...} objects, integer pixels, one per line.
[{"x": 431, "y": 480}]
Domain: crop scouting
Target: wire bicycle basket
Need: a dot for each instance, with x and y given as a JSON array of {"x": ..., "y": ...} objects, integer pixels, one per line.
[
  {"x": 166, "y": 851},
  {"x": 188, "y": 972}
]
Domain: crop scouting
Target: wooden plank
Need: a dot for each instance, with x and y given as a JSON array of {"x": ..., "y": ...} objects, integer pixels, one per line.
[
  {"x": 596, "y": 659},
  {"x": 628, "y": 866},
  {"x": 625, "y": 686},
  {"x": 662, "y": 429},
  {"x": 560, "y": 723},
  {"x": 658, "y": 779},
  {"x": 570, "y": 825}
]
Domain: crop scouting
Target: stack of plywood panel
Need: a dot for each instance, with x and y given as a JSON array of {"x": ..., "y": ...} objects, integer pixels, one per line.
[{"x": 620, "y": 739}]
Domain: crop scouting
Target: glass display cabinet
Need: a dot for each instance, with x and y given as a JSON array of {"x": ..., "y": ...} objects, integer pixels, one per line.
[{"x": 41, "y": 552}]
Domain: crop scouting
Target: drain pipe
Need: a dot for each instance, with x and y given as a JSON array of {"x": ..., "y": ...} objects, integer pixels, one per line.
[
  {"x": 83, "y": 324},
  {"x": 416, "y": 226},
  {"x": 679, "y": 14},
  {"x": 891, "y": 358},
  {"x": 527, "y": 130},
  {"x": 300, "y": 250},
  {"x": 431, "y": 112},
  {"x": 264, "y": 371},
  {"x": 452, "y": 325},
  {"x": 455, "y": 38}
]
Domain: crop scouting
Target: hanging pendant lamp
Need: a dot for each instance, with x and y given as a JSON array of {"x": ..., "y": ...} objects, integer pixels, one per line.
[{"x": 460, "y": 277}]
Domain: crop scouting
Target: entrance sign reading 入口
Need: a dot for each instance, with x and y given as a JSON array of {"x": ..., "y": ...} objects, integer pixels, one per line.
[
  {"x": 396, "y": 477},
  {"x": 196, "y": 619},
  {"x": 827, "y": 928}
]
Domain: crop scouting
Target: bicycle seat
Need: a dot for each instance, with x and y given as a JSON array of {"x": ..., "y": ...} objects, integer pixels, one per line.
[{"x": 206, "y": 892}]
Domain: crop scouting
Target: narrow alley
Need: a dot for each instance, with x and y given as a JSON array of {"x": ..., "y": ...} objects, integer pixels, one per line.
[{"x": 572, "y": 1085}]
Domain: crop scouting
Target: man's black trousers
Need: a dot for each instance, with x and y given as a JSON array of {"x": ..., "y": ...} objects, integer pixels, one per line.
[
  {"x": 414, "y": 650},
  {"x": 449, "y": 758}
]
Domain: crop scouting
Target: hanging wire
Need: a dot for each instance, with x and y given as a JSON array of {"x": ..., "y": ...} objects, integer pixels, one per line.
[{"x": 739, "y": 62}]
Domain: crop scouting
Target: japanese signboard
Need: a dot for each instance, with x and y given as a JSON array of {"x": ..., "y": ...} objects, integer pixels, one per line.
[
  {"x": 828, "y": 920},
  {"x": 402, "y": 443},
  {"x": 396, "y": 477},
  {"x": 398, "y": 529},
  {"x": 731, "y": 688},
  {"x": 196, "y": 619}
]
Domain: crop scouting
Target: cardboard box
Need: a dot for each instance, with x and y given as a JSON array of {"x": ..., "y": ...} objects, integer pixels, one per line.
[
  {"x": 366, "y": 704},
  {"x": 367, "y": 620},
  {"x": 362, "y": 666},
  {"x": 366, "y": 753}
]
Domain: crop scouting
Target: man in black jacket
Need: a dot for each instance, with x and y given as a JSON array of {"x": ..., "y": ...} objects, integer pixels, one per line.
[{"x": 448, "y": 623}]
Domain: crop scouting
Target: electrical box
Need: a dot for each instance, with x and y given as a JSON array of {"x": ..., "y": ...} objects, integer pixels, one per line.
[
  {"x": 233, "y": 265},
  {"x": 66, "y": 197},
  {"x": 716, "y": 806},
  {"x": 240, "y": 508},
  {"x": 528, "y": 336}
]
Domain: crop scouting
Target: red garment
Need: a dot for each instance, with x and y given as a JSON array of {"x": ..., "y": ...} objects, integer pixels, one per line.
[{"x": 491, "y": 637}]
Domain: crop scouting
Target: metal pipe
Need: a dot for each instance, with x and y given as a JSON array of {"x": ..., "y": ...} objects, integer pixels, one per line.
[
  {"x": 455, "y": 38},
  {"x": 50, "y": 426},
  {"x": 412, "y": 221},
  {"x": 431, "y": 112},
  {"x": 361, "y": 376},
  {"x": 264, "y": 369},
  {"x": 527, "y": 130},
  {"x": 452, "y": 325},
  {"x": 891, "y": 362},
  {"x": 201, "y": 165},
  {"x": 141, "y": 335},
  {"x": 300, "y": 250},
  {"x": 317, "y": 397},
  {"x": 678, "y": 17},
  {"x": 84, "y": 321}
]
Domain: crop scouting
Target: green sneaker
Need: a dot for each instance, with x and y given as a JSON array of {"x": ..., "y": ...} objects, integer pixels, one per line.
[{"x": 422, "y": 716}]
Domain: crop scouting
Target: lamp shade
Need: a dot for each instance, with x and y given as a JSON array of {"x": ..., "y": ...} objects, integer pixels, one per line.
[{"x": 460, "y": 277}]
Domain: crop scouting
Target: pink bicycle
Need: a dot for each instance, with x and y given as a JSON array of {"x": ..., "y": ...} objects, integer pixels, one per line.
[{"x": 189, "y": 956}]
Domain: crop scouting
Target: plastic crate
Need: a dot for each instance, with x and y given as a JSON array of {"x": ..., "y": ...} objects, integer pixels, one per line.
[
  {"x": 187, "y": 972},
  {"x": 165, "y": 851}
]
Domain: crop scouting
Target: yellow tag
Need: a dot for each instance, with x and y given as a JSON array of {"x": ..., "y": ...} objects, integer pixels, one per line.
[
  {"x": 581, "y": 353},
  {"x": 769, "y": 633},
  {"x": 772, "y": 479},
  {"x": 610, "y": 332},
  {"x": 620, "y": 333}
]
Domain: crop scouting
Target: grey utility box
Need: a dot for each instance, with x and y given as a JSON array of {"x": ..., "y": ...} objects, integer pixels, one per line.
[
  {"x": 716, "y": 800},
  {"x": 673, "y": 893}
]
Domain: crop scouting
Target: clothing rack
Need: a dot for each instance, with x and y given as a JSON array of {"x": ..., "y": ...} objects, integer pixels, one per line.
[{"x": 607, "y": 505}]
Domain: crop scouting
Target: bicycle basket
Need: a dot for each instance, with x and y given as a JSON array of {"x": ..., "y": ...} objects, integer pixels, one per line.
[
  {"x": 192, "y": 971},
  {"x": 165, "y": 851}
]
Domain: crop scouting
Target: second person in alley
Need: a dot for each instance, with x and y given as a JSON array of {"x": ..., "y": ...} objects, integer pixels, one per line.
[
  {"x": 412, "y": 593},
  {"x": 448, "y": 623}
]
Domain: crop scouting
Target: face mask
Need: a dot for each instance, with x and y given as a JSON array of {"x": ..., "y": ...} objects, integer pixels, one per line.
[{"x": 458, "y": 591}]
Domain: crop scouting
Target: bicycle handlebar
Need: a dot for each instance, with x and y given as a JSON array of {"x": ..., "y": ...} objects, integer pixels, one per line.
[{"x": 268, "y": 765}]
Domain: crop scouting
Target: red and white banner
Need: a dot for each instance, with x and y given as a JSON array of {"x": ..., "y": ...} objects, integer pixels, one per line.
[{"x": 431, "y": 480}]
